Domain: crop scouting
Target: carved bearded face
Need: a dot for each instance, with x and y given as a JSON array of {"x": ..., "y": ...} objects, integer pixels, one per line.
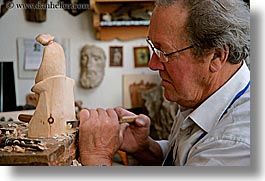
[{"x": 92, "y": 62}]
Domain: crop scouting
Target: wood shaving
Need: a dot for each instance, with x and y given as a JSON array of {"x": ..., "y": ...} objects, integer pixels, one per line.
[{"x": 76, "y": 163}]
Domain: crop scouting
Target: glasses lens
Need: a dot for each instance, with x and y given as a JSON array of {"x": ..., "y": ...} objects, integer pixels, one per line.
[{"x": 158, "y": 53}]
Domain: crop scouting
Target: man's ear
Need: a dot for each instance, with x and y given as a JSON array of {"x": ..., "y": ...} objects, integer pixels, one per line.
[{"x": 219, "y": 58}]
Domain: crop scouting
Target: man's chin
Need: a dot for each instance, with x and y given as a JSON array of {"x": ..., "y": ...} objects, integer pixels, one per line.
[{"x": 168, "y": 96}]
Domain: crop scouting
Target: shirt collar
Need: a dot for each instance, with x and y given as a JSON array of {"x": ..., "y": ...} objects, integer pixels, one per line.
[{"x": 220, "y": 100}]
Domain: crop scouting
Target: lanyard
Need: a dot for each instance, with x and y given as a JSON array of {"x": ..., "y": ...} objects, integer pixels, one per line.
[
  {"x": 239, "y": 94},
  {"x": 169, "y": 161}
]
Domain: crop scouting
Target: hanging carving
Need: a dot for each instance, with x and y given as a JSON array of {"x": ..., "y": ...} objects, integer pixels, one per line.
[
  {"x": 136, "y": 90},
  {"x": 74, "y": 7},
  {"x": 161, "y": 111},
  {"x": 92, "y": 62},
  {"x": 5, "y": 5},
  {"x": 36, "y": 14}
]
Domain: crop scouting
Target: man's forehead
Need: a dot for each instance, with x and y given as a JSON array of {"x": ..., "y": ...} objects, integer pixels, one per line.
[
  {"x": 93, "y": 50},
  {"x": 167, "y": 24}
]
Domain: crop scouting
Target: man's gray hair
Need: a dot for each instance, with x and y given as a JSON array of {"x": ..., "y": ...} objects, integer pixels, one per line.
[{"x": 215, "y": 23}]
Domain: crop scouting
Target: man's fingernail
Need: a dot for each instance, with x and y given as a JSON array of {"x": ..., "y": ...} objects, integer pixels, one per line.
[{"x": 141, "y": 122}]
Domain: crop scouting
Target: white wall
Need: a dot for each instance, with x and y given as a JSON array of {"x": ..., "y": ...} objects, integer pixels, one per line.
[{"x": 80, "y": 31}]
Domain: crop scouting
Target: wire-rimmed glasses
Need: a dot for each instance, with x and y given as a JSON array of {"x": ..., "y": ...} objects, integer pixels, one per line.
[{"x": 162, "y": 55}]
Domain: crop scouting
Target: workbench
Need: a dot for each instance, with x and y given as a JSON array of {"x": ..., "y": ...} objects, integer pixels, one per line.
[
  {"x": 58, "y": 153},
  {"x": 60, "y": 150}
]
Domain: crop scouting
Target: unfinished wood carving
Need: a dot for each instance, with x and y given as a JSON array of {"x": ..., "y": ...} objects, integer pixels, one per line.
[
  {"x": 54, "y": 91},
  {"x": 161, "y": 112},
  {"x": 136, "y": 90}
]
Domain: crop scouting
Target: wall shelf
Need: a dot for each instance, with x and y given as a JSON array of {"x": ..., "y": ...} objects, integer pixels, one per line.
[
  {"x": 125, "y": 23},
  {"x": 122, "y": 30}
]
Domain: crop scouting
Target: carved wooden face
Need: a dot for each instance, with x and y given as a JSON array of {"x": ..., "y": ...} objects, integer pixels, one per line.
[{"x": 92, "y": 62}]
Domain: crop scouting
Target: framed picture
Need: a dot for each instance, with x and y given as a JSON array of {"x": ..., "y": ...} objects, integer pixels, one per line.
[
  {"x": 134, "y": 84},
  {"x": 141, "y": 56},
  {"x": 116, "y": 55}
]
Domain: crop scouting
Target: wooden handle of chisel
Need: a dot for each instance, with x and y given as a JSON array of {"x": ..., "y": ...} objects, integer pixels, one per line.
[
  {"x": 24, "y": 117},
  {"x": 128, "y": 119}
]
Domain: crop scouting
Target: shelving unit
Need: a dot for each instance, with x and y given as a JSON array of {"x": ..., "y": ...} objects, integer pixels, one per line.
[{"x": 122, "y": 30}]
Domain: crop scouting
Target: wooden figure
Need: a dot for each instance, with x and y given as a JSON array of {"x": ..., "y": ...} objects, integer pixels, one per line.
[{"x": 54, "y": 91}]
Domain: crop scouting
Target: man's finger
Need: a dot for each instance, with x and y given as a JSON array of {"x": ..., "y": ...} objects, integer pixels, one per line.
[
  {"x": 102, "y": 114},
  {"x": 112, "y": 114},
  {"x": 123, "y": 112},
  {"x": 84, "y": 115},
  {"x": 143, "y": 121}
]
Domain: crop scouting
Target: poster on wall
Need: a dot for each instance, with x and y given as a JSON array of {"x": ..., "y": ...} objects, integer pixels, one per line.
[
  {"x": 30, "y": 56},
  {"x": 33, "y": 54}
]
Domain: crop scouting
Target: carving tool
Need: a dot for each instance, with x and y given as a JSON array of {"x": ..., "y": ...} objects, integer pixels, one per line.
[{"x": 75, "y": 123}]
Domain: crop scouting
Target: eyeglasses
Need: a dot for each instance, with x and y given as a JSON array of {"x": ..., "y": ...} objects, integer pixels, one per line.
[{"x": 162, "y": 55}]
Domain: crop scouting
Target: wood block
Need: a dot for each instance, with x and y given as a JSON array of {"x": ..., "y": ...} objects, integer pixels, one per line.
[
  {"x": 60, "y": 151},
  {"x": 54, "y": 90}
]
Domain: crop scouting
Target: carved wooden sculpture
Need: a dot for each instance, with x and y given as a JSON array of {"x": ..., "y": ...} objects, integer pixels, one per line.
[
  {"x": 54, "y": 91},
  {"x": 136, "y": 90},
  {"x": 93, "y": 61},
  {"x": 161, "y": 111}
]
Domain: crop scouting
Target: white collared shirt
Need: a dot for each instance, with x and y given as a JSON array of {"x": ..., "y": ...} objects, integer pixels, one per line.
[{"x": 227, "y": 128}]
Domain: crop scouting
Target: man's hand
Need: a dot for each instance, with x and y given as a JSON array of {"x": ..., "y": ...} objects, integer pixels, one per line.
[
  {"x": 135, "y": 137},
  {"x": 99, "y": 136},
  {"x": 136, "y": 140}
]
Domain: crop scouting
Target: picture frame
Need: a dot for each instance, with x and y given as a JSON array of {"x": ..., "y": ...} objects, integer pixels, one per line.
[
  {"x": 130, "y": 79},
  {"x": 141, "y": 56},
  {"x": 116, "y": 56}
]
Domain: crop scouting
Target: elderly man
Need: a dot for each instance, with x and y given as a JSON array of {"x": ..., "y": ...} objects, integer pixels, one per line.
[{"x": 200, "y": 47}]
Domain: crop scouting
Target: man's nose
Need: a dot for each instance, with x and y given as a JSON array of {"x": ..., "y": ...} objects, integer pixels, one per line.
[
  {"x": 91, "y": 61},
  {"x": 155, "y": 63}
]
